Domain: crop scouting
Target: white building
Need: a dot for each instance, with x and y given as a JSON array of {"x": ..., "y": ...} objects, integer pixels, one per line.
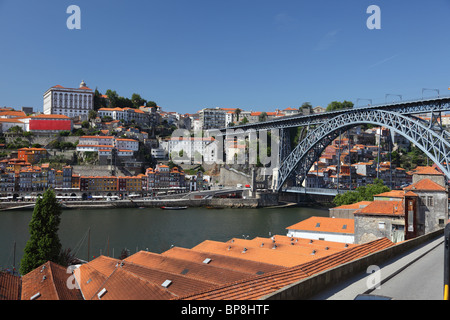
[
  {"x": 127, "y": 144},
  {"x": 71, "y": 102},
  {"x": 105, "y": 144},
  {"x": 324, "y": 228},
  {"x": 193, "y": 149},
  {"x": 126, "y": 114}
]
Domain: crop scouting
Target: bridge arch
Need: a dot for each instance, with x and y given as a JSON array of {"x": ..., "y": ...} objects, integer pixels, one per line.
[{"x": 302, "y": 158}]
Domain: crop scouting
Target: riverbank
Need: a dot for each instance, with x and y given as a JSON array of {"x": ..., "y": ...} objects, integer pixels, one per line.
[{"x": 248, "y": 203}]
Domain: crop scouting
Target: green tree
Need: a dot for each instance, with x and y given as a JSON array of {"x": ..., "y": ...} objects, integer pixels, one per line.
[
  {"x": 244, "y": 121},
  {"x": 99, "y": 101},
  {"x": 92, "y": 114},
  {"x": 262, "y": 117},
  {"x": 237, "y": 112},
  {"x": 362, "y": 193},
  {"x": 44, "y": 244},
  {"x": 306, "y": 108},
  {"x": 137, "y": 100},
  {"x": 335, "y": 105}
]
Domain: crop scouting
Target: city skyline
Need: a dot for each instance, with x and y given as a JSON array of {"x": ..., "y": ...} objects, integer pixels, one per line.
[{"x": 257, "y": 55}]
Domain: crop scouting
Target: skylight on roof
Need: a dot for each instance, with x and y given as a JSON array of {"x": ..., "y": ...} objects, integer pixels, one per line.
[
  {"x": 207, "y": 260},
  {"x": 318, "y": 225},
  {"x": 166, "y": 283},
  {"x": 101, "y": 293},
  {"x": 185, "y": 271},
  {"x": 37, "y": 295}
]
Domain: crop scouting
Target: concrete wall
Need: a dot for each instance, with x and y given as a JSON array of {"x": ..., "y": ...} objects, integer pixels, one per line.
[
  {"x": 342, "y": 213},
  {"x": 307, "y": 288}
]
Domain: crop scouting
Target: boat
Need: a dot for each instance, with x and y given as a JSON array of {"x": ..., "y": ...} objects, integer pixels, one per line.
[{"x": 173, "y": 208}]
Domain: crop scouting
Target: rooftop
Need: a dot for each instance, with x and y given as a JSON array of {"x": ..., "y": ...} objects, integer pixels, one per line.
[
  {"x": 425, "y": 185},
  {"x": 325, "y": 224}
]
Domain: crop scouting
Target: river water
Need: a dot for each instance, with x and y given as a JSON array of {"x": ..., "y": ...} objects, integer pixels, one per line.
[{"x": 111, "y": 230}]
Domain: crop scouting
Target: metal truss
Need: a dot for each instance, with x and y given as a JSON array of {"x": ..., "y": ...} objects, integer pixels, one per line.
[
  {"x": 403, "y": 107},
  {"x": 434, "y": 144}
]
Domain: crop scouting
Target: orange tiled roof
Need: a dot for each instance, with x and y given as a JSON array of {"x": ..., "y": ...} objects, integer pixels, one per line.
[
  {"x": 9, "y": 286},
  {"x": 50, "y": 282},
  {"x": 195, "y": 270},
  {"x": 124, "y": 285},
  {"x": 427, "y": 171},
  {"x": 325, "y": 224},
  {"x": 13, "y": 113},
  {"x": 381, "y": 207},
  {"x": 266, "y": 255},
  {"x": 222, "y": 261},
  {"x": 425, "y": 185},
  {"x": 51, "y": 116},
  {"x": 392, "y": 194},
  {"x": 355, "y": 206},
  {"x": 253, "y": 289}
]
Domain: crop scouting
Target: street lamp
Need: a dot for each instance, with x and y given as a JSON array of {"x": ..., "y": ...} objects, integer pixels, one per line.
[
  {"x": 390, "y": 94},
  {"x": 424, "y": 89},
  {"x": 357, "y": 100}
]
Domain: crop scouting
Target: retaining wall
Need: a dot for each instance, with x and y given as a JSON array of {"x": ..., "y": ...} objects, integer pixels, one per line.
[{"x": 312, "y": 286}]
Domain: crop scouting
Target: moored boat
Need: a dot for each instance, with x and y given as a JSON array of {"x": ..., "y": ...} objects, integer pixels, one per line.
[{"x": 173, "y": 208}]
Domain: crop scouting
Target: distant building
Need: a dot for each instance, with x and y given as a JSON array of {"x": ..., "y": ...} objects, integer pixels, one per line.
[
  {"x": 71, "y": 102},
  {"x": 48, "y": 123},
  {"x": 32, "y": 155},
  {"x": 212, "y": 118}
]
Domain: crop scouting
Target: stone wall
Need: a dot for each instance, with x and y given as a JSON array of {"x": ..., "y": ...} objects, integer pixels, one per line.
[
  {"x": 231, "y": 177},
  {"x": 369, "y": 228}
]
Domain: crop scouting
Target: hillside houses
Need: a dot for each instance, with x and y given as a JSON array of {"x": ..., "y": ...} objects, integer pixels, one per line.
[{"x": 398, "y": 215}]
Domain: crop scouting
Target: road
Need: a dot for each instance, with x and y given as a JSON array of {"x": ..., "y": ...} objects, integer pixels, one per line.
[{"x": 417, "y": 275}]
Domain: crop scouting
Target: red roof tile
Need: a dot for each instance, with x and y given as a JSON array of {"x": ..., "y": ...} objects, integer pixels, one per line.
[
  {"x": 325, "y": 224},
  {"x": 49, "y": 282},
  {"x": 9, "y": 286},
  {"x": 381, "y": 207},
  {"x": 253, "y": 289},
  {"x": 425, "y": 185}
]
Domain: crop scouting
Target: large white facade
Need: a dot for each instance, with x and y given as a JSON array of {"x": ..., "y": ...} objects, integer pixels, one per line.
[{"x": 71, "y": 102}]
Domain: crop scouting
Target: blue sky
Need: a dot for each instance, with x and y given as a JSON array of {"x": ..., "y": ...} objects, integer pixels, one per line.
[{"x": 252, "y": 54}]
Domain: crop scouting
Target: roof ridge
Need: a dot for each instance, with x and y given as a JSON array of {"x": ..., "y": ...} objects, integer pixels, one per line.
[{"x": 50, "y": 271}]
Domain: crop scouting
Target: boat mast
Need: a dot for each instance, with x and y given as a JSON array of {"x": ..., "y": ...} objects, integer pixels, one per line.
[{"x": 89, "y": 244}]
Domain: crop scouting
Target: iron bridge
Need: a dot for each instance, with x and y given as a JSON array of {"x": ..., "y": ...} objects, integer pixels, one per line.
[{"x": 322, "y": 129}]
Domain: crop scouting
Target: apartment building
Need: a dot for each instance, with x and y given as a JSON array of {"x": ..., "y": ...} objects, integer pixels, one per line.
[{"x": 212, "y": 118}]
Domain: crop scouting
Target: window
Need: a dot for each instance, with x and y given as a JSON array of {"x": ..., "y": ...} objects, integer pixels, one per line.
[
  {"x": 430, "y": 202},
  {"x": 423, "y": 200}
]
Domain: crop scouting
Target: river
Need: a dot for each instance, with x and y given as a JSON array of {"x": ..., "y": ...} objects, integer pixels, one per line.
[{"x": 153, "y": 229}]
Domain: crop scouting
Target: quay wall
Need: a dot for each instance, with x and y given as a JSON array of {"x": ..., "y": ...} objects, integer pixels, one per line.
[{"x": 257, "y": 202}]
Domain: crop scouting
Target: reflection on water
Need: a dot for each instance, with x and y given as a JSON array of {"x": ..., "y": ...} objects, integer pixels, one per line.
[{"x": 153, "y": 229}]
